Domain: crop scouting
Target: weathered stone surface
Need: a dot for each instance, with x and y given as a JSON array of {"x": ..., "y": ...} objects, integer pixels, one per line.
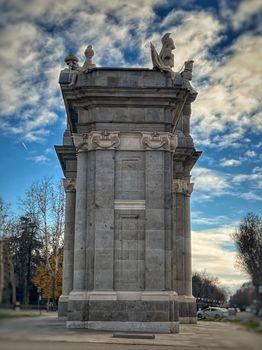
[{"x": 131, "y": 154}]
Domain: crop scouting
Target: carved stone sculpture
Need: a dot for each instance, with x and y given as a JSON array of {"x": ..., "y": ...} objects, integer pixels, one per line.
[
  {"x": 187, "y": 76},
  {"x": 165, "y": 60},
  {"x": 166, "y": 55},
  {"x": 75, "y": 69}
]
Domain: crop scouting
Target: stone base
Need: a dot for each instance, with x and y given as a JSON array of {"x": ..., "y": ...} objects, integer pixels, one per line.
[
  {"x": 156, "y": 327},
  {"x": 124, "y": 311},
  {"x": 187, "y": 309},
  {"x": 62, "y": 307}
]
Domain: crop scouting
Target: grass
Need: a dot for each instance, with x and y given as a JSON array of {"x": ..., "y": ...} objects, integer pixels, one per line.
[
  {"x": 4, "y": 315},
  {"x": 252, "y": 325}
]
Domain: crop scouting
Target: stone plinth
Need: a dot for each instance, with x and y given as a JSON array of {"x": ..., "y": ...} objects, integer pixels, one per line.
[{"x": 129, "y": 152}]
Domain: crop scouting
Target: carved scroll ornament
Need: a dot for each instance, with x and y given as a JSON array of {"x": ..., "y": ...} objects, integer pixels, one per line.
[
  {"x": 96, "y": 140},
  {"x": 106, "y": 139},
  {"x": 159, "y": 141}
]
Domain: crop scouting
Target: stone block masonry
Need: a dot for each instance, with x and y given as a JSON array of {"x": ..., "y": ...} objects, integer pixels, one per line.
[{"x": 127, "y": 154}]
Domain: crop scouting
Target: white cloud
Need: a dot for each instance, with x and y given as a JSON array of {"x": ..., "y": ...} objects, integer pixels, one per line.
[
  {"x": 230, "y": 162},
  {"x": 230, "y": 101},
  {"x": 210, "y": 253},
  {"x": 243, "y": 13},
  {"x": 257, "y": 169},
  {"x": 29, "y": 100},
  {"x": 32, "y": 57},
  {"x": 250, "y": 154},
  {"x": 39, "y": 159},
  {"x": 211, "y": 182},
  {"x": 251, "y": 196},
  {"x": 199, "y": 218},
  {"x": 247, "y": 177}
]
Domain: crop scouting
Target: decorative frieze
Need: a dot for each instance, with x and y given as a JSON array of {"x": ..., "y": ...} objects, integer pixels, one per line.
[
  {"x": 182, "y": 186},
  {"x": 126, "y": 141},
  {"x": 69, "y": 185}
]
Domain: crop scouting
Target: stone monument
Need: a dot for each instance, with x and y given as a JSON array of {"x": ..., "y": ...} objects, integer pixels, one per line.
[{"x": 127, "y": 154}]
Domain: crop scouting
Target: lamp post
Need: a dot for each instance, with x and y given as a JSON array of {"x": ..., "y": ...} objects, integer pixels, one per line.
[{"x": 39, "y": 300}]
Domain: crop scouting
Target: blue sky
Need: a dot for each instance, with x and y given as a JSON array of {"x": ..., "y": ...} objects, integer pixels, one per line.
[{"x": 224, "y": 39}]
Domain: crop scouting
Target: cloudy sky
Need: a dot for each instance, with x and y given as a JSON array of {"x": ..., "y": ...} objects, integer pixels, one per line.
[{"x": 223, "y": 37}]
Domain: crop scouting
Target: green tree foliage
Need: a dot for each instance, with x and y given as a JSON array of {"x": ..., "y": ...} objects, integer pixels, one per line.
[
  {"x": 27, "y": 257},
  {"x": 248, "y": 240}
]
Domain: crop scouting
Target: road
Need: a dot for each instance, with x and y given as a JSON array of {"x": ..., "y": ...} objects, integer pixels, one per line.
[{"x": 49, "y": 333}]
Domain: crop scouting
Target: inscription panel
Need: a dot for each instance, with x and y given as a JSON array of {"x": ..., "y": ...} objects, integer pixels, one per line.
[{"x": 129, "y": 175}]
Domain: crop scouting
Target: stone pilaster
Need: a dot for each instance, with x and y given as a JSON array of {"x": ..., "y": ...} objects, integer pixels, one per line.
[
  {"x": 182, "y": 190},
  {"x": 104, "y": 220},
  {"x": 154, "y": 221},
  {"x": 77, "y": 305},
  {"x": 68, "y": 262}
]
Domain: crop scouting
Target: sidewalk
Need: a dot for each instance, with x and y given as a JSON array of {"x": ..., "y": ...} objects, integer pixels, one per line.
[{"x": 204, "y": 335}]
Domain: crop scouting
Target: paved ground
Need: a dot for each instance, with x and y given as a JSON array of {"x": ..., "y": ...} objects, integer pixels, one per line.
[{"x": 47, "y": 332}]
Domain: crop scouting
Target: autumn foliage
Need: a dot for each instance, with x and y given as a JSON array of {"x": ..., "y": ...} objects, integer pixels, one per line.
[{"x": 50, "y": 282}]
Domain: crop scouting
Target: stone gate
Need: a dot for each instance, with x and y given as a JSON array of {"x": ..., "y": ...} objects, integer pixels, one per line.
[{"x": 127, "y": 154}]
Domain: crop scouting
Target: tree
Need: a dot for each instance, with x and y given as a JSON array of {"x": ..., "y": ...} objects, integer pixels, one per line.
[
  {"x": 243, "y": 297},
  {"x": 248, "y": 240},
  {"x": 3, "y": 217},
  {"x": 50, "y": 287},
  {"x": 44, "y": 204},
  {"x": 28, "y": 257},
  {"x": 7, "y": 252},
  {"x": 207, "y": 290}
]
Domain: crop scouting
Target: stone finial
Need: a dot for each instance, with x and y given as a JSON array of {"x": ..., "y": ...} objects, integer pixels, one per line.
[
  {"x": 165, "y": 60},
  {"x": 75, "y": 69},
  {"x": 72, "y": 62},
  {"x": 89, "y": 53}
]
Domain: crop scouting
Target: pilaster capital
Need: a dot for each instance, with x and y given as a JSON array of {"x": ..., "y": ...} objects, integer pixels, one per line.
[
  {"x": 183, "y": 187},
  {"x": 159, "y": 141},
  {"x": 69, "y": 184},
  {"x": 81, "y": 142}
]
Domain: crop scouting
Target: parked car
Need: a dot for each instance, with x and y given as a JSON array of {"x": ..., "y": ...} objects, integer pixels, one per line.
[
  {"x": 232, "y": 311},
  {"x": 212, "y": 312}
]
